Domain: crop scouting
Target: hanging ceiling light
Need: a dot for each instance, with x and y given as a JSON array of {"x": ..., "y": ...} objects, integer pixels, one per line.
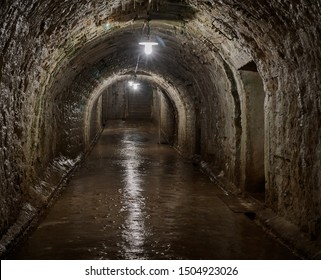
[
  {"x": 148, "y": 46},
  {"x": 135, "y": 86}
]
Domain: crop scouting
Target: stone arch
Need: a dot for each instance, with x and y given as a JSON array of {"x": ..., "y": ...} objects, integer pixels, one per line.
[{"x": 184, "y": 108}]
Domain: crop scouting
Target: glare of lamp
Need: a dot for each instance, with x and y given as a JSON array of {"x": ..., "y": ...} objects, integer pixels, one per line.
[
  {"x": 131, "y": 83},
  {"x": 135, "y": 86},
  {"x": 148, "y": 47}
]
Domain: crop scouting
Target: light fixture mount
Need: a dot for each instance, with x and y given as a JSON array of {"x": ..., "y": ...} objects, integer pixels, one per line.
[{"x": 148, "y": 46}]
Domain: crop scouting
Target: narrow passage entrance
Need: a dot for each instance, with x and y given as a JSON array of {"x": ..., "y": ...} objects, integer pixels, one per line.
[
  {"x": 254, "y": 130},
  {"x": 136, "y": 199}
]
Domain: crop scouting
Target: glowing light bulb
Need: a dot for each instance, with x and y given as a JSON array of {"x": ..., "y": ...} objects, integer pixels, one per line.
[
  {"x": 148, "y": 47},
  {"x": 135, "y": 86}
]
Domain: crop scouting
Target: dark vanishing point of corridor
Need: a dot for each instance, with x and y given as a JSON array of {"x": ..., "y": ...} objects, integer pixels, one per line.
[{"x": 136, "y": 199}]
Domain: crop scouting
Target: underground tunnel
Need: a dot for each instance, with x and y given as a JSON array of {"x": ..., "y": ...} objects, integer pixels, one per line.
[{"x": 231, "y": 87}]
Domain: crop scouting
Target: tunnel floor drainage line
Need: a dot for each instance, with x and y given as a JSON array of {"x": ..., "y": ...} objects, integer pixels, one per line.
[
  {"x": 237, "y": 204},
  {"x": 141, "y": 200}
]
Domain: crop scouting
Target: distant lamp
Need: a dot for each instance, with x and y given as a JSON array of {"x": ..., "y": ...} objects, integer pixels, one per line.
[
  {"x": 148, "y": 47},
  {"x": 135, "y": 86}
]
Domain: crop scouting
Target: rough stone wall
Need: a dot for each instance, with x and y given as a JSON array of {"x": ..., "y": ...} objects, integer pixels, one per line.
[
  {"x": 19, "y": 80},
  {"x": 73, "y": 100},
  {"x": 218, "y": 119},
  {"x": 293, "y": 120},
  {"x": 96, "y": 123},
  {"x": 164, "y": 116},
  {"x": 282, "y": 38},
  {"x": 31, "y": 167}
]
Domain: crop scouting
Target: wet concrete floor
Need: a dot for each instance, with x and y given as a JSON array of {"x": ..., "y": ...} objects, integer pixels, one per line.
[{"x": 135, "y": 199}]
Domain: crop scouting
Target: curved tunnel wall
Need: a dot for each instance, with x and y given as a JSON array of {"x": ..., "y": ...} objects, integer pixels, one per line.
[{"x": 43, "y": 64}]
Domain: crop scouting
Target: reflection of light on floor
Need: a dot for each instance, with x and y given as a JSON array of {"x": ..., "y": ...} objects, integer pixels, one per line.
[{"x": 134, "y": 230}]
